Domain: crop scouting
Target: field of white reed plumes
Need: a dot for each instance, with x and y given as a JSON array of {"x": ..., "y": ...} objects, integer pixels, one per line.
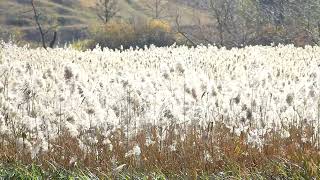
[{"x": 165, "y": 99}]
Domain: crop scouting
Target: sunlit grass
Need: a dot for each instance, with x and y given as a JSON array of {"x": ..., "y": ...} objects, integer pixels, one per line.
[
  {"x": 172, "y": 112},
  {"x": 215, "y": 154}
]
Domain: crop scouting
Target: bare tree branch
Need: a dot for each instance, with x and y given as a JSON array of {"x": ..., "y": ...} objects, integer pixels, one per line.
[
  {"x": 157, "y": 7},
  {"x": 42, "y": 33},
  {"x": 36, "y": 18},
  {"x": 106, "y": 9},
  {"x": 53, "y": 39},
  {"x": 183, "y": 33}
]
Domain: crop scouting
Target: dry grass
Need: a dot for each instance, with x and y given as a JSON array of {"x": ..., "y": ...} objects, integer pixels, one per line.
[{"x": 226, "y": 152}]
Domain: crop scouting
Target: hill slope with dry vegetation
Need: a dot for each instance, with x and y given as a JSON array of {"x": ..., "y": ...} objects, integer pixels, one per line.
[{"x": 72, "y": 18}]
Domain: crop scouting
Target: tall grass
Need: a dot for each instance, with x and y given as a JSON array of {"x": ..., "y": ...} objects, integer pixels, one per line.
[
  {"x": 216, "y": 152},
  {"x": 167, "y": 112}
]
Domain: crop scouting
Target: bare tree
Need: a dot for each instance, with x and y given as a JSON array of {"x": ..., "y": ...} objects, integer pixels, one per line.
[
  {"x": 106, "y": 9},
  {"x": 43, "y": 33},
  {"x": 233, "y": 24},
  {"x": 237, "y": 23},
  {"x": 157, "y": 7},
  {"x": 181, "y": 32},
  {"x": 307, "y": 15},
  {"x": 297, "y": 19}
]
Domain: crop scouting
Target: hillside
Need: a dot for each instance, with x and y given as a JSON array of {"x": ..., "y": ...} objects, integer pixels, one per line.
[{"x": 72, "y": 18}]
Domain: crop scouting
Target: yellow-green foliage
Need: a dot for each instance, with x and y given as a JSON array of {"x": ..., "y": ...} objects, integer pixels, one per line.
[
  {"x": 159, "y": 25},
  {"x": 117, "y": 33},
  {"x": 81, "y": 45},
  {"x": 120, "y": 31},
  {"x": 14, "y": 35},
  {"x": 112, "y": 35}
]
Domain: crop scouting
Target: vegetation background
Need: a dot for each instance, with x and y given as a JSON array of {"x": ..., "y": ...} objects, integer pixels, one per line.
[{"x": 162, "y": 22}]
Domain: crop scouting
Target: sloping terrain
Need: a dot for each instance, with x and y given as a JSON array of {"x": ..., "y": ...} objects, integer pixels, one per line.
[{"x": 71, "y": 18}]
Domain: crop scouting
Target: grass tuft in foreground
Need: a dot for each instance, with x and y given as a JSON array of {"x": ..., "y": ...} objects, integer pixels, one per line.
[{"x": 167, "y": 152}]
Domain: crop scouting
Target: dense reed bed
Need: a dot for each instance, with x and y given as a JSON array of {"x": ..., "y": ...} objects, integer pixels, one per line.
[{"x": 174, "y": 111}]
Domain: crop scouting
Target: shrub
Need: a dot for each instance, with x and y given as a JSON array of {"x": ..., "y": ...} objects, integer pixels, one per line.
[
  {"x": 116, "y": 34},
  {"x": 112, "y": 35},
  {"x": 13, "y": 35},
  {"x": 159, "y": 33},
  {"x": 81, "y": 45}
]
